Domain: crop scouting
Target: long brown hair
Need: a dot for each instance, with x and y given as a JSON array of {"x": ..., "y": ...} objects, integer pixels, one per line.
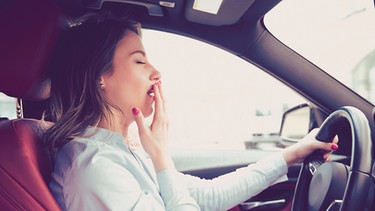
[{"x": 85, "y": 52}]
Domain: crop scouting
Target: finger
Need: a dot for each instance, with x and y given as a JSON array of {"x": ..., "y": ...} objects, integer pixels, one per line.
[
  {"x": 326, "y": 156},
  {"x": 327, "y": 146},
  {"x": 139, "y": 120},
  {"x": 162, "y": 96},
  {"x": 335, "y": 139},
  {"x": 161, "y": 92},
  {"x": 159, "y": 105}
]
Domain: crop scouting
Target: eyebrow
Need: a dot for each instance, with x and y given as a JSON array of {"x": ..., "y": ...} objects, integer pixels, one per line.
[{"x": 138, "y": 51}]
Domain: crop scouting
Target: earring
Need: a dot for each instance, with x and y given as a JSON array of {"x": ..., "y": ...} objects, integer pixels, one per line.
[{"x": 101, "y": 86}]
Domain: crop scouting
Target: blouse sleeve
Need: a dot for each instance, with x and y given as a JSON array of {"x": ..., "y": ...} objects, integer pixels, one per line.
[
  {"x": 226, "y": 191},
  {"x": 174, "y": 191}
]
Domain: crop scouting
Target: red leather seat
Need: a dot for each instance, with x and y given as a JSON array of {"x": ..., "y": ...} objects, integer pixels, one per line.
[
  {"x": 29, "y": 32},
  {"x": 25, "y": 167}
]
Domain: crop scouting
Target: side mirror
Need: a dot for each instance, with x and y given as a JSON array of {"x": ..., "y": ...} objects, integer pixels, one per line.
[{"x": 296, "y": 124}]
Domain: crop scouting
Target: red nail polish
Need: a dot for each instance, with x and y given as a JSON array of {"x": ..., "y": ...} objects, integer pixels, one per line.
[
  {"x": 135, "y": 111},
  {"x": 334, "y": 146}
]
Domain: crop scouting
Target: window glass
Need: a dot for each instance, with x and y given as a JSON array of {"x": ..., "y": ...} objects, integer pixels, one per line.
[
  {"x": 336, "y": 35},
  {"x": 7, "y": 106},
  {"x": 215, "y": 100}
]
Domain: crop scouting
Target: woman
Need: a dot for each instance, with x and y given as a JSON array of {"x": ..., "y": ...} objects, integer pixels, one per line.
[{"x": 101, "y": 83}]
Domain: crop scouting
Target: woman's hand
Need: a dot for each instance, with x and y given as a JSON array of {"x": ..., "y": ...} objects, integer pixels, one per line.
[
  {"x": 154, "y": 139},
  {"x": 299, "y": 151}
]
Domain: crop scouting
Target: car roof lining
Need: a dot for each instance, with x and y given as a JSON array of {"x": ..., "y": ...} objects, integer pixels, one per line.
[
  {"x": 229, "y": 12},
  {"x": 175, "y": 21}
]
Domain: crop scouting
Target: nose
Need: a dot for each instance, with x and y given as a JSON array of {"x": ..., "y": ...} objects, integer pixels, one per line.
[{"x": 156, "y": 75}]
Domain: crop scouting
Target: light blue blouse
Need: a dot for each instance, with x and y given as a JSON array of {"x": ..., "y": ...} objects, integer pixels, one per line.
[{"x": 98, "y": 172}]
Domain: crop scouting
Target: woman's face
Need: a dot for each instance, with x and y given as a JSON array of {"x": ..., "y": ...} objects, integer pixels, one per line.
[{"x": 130, "y": 82}]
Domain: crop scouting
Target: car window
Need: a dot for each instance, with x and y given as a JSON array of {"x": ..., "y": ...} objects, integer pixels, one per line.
[
  {"x": 215, "y": 99},
  {"x": 338, "y": 36},
  {"x": 7, "y": 106}
]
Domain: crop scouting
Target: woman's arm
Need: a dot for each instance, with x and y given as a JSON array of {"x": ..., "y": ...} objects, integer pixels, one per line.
[{"x": 229, "y": 190}]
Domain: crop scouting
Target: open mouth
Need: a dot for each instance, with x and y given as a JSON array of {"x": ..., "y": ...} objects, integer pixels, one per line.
[{"x": 151, "y": 92}]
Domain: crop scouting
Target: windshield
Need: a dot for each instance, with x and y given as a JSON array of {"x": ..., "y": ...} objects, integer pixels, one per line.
[{"x": 336, "y": 35}]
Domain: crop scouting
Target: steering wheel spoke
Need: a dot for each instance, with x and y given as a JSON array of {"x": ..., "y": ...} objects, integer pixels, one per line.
[{"x": 314, "y": 164}]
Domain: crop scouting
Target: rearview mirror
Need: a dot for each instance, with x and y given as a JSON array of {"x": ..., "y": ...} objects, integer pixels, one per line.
[{"x": 296, "y": 124}]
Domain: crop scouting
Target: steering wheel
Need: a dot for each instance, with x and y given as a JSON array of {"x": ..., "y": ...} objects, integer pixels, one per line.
[{"x": 331, "y": 185}]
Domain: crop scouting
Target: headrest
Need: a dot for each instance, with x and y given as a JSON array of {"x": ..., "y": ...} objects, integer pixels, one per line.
[{"x": 29, "y": 30}]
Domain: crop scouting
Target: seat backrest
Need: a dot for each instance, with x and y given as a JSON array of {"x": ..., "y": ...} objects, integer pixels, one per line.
[
  {"x": 29, "y": 30},
  {"x": 25, "y": 167}
]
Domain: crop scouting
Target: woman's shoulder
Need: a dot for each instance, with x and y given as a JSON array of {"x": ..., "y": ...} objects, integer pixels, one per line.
[{"x": 91, "y": 143}]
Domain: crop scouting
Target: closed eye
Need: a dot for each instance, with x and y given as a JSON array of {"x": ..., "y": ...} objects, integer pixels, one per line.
[{"x": 140, "y": 56}]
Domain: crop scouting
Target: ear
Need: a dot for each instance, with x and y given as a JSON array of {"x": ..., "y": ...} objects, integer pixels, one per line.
[{"x": 101, "y": 83}]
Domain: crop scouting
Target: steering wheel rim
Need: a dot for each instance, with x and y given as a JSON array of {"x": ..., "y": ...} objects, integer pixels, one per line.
[{"x": 359, "y": 177}]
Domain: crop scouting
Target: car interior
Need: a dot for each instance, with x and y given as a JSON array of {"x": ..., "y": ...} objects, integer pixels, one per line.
[{"x": 32, "y": 28}]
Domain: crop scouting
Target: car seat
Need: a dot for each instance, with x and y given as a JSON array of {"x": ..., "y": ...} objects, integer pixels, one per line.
[{"x": 29, "y": 31}]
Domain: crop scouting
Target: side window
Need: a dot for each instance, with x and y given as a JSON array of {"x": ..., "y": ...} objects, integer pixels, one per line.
[
  {"x": 8, "y": 106},
  {"x": 215, "y": 99}
]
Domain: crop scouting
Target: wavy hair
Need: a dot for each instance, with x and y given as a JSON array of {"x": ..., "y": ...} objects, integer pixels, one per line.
[{"x": 84, "y": 53}]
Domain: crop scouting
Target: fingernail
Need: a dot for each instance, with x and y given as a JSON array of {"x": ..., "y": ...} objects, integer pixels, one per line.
[
  {"x": 135, "y": 111},
  {"x": 334, "y": 146}
]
